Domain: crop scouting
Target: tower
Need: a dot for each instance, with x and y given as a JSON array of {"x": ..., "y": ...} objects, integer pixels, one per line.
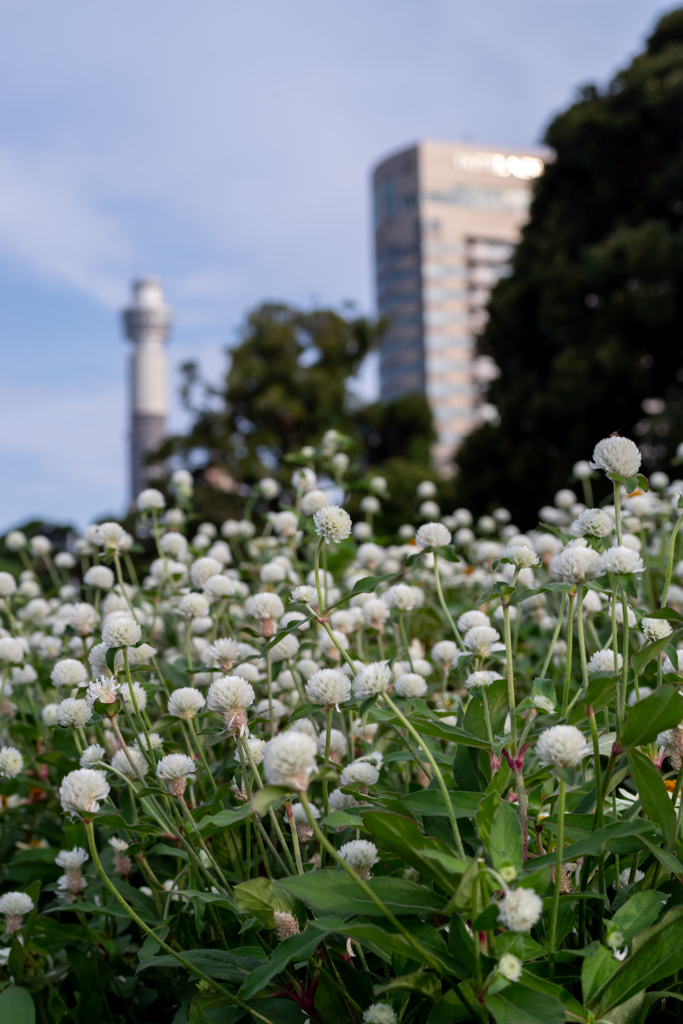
[
  {"x": 447, "y": 217},
  {"x": 146, "y": 323}
]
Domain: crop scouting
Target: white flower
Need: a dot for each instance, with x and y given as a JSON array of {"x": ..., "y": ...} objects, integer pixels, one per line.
[
  {"x": 15, "y": 540},
  {"x": 509, "y": 967},
  {"x": 401, "y": 597},
  {"x": 120, "y": 630},
  {"x": 121, "y": 762},
  {"x": 150, "y": 499},
  {"x": 284, "y": 523},
  {"x": 14, "y": 905},
  {"x": 433, "y": 535},
  {"x": 477, "y": 679},
  {"x": 257, "y": 748},
  {"x": 99, "y": 576},
  {"x": 562, "y": 746},
  {"x": 69, "y": 672},
  {"x": 91, "y": 755},
  {"x": 303, "y": 594},
  {"x": 289, "y": 759},
  {"x": 285, "y": 648},
  {"x": 372, "y": 679},
  {"x": 622, "y": 560},
  {"x": 174, "y": 770},
  {"x": 360, "y": 773},
  {"x": 361, "y": 855},
  {"x": 481, "y": 640},
  {"x": 222, "y": 653},
  {"x": 625, "y": 877},
  {"x": 332, "y": 523},
  {"x": 380, "y": 1013},
  {"x": 265, "y": 606},
  {"x": 577, "y": 563},
  {"x": 8, "y": 584},
  {"x": 105, "y": 689},
  {"x": 140, "y": 697},
  {"x": 521, "y": 556},
  {"x": 313, "y": 501},
  {"x": 219, "y": 587},
  {"x": 193, "y": 605},
  {"x": 285, "y": 925},
  {"x": 49, "y": 714},
  {"x": 73, "y": 712},
  {"x": 375, "y": 612},
  {"x": 329, "y": 687},
  {"x": 110, "y": 536},
  {"x": 11, "y": 762},
  {"x": 81, "y": 791},
  {"x": 410, "y": 685},
  {"x": 11, "y": 650},
  {"x": 544, "y": 703},
  {"x": 468, "y": 620},
  {"x": 174, "y": 545},
  {"x": 594, "y": 523},
  {"x": 71, "y": 860},
  {"x": 603, "y": 661},
  {"x": 156, "y": 741},
  {"x": 617, "y": 455},
  {"x": 185, "y": 702},
  {"x": 341, "y": 801},
  {"x": 203, "y": 569},
  {"x": 656, "y": 629},
  {"x": 231, "y": 695},
  {"x": 520, "y": 909}
]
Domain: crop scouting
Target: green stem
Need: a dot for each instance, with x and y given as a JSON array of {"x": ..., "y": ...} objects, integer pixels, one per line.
[
  {"x": 558, "y": 868},
  {"x": 670, "y": 565},
  {"x": 202, "y": 754},
  {"x": 328, "y": 737},
  {"x": 570, "y": 642},
  {"x": 295, "y": 837},
  {"x": 512, "y": 710},
  {"x": 487, "y": 716},
  {"x": 404, "y": 638},
  {"x": 553, "y": 642}
]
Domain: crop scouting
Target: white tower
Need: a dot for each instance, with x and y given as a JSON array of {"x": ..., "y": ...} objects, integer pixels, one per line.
[{"x": 146, "y": 322}]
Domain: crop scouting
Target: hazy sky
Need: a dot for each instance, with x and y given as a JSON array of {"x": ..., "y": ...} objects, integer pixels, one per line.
[{"x": 225, "y": 147}]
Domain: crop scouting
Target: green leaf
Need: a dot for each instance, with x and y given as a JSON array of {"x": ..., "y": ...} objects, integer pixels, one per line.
[
  {"x": 110, "y": 658},
  {"x": 224, "y": 819},
  {"x": 403, "y": 837},
  {"x": 485, "y": 815},
  {"x": 261, "y": 897},
  {"x": 530, "y": 980},
  {"x": 297, "y": 624},
  {"x": 594, "y": 843},
  {"x": 447, "y": 553},
  {"x": 297, "y": 947},
  {"x": 506, "y": 844},
  {"x": 662, "y": 710},
  {"x": 365, "y": 586},
  {"x": 16, "y": 1006},
  {"x": 657, "y": 953},
  {"x": 426, "y": 983},
  {"x": 654, "y": 796},
  {"x": 269, "y": 796},
  {"x": 640, "y": 659},
  {"x": 665, "y": 858},
  {"x": 666, "y": 613},
  {"x": 304, "y": 711},
  {"x": 596, "y": 971},
  {"x": 336, "y": 893},
  {"x": 432, "y": 802},
  {"x": 517, "y": 1004},
  {"x": 640, "y": 911},
  {"x": 497, "y": 699},
  {"x": 217, "y": 963}
]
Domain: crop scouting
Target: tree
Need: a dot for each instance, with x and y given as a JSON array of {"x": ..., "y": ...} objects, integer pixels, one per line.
[
  {"x": 288, "y": 382},
  {"x": 588, "y": 329}
]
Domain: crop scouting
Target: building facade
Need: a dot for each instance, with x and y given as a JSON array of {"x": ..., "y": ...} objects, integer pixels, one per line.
[
  {"x": 447, "y": 217},
  {"x": 146, "y": 323}
]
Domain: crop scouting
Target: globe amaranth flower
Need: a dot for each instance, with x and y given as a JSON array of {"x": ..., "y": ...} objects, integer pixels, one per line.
[
  {"x": 11, "y": 762},
  {"x": 185, "y": 702},
  {"x": 110, "y": 536},
  {"x": 304, "y": 594},
  {"x": 544, "y": 704},
  {"x": 217, "y": 587},
  {"x": 193, "y": 605},
  {"x": 8, "y": 584},
  {"x": 468, "y": 620},
  {"x": 482, "y": 640},
  {"x": 99, "y": 576},
  {"x": 11, "y": 650},
  {"x": 71, "y": 883},
  {"x": 174, "y": 770},
  {"x": 433, "y": 535},
  {"x": 577, "y": 563},
  {"x": 604, "y": 661},
  {"x": 617, "y": 455},
  {"x": 313, "y": 501},
  {"x": 230, "y": 696},
  {"x": 372, "y": 679},
  {"x": 332, "y": 523},
  {"x": 656, "y": 629},
  {"x": 150, "y": 499},
  {"x": 410, "y": 685},
  {"x": 329, "y": 687},
  {"x": 360, "y": 773},
  {"x": 380, "y": 1013},
  {"x": 14, "y": 905},
  {"x": 361, "y": 855},
  {"x": 222, "y": 653},
  {"x": 562, "y": 746},
  {"x": 256, "y": 748},
  {"x": 401, "y": 597},
  {"x": 285, "y": 648},
  {"x": 49, "y": 714},
  {"x": 289, "y": 759},
  {"x": 477, "y": 679},
  {"x": 120, "y": 630},
  {"x": 132, "y": 764},
  {"x": 285, "y": 925},
  {"x": 92, "y": 755},
  {"x": 520, "y": 909},
  {"x": 341, "y": 801},
  {"x": 622, "y": 560},
  {"x": 69, "y": 672},
  {"x": 509, "y": 967},
  {"x": 73, "y": 712},
  {"x": 521, "y": 556},
  {"x": 82, "y": 790},
  {"x": 106, "y": 689},
  {"x": 267, "y": 608},
  {"x": 140, "y": 697},
  {"x": 593, "y": 522}
]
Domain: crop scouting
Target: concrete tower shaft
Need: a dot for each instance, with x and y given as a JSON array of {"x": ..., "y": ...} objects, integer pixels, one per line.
[{"x": 146, "y": 323}]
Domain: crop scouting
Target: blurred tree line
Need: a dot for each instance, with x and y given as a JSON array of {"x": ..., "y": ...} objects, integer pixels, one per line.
[{"x": 588, "y": 329}]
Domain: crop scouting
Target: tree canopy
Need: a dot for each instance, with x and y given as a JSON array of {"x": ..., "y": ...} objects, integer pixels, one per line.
[{"x": 588, "y": 328}]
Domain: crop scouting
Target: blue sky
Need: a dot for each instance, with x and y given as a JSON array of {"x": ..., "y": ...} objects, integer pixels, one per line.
[{"x": 225, "y": 147}]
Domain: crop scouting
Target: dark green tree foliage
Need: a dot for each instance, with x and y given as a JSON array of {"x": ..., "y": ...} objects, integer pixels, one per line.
[
  {"x": 588, "y": 329},
  {"x": 288, "y": 383}
]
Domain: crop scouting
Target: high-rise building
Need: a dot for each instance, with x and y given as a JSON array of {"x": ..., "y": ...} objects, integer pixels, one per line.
[
  {"x": 146, "y": 323},
  {"x": 447, "y": 217}
]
